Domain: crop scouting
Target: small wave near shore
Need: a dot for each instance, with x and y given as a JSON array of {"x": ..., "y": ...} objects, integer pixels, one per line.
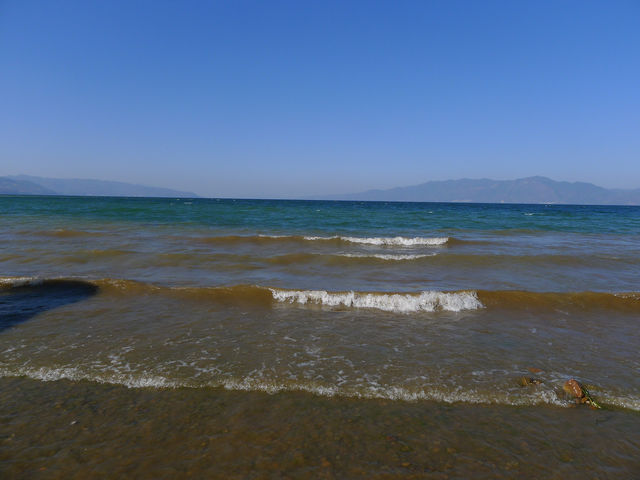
[
  {"x": 389, "y": 301},
  {"x": 397, "y": 241}
]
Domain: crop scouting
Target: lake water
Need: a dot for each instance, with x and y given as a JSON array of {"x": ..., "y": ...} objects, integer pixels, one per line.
[{"x": 258, "y": 338}]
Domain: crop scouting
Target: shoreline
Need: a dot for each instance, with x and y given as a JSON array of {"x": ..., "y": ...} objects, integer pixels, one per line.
[{"x": 113, "y": 430}]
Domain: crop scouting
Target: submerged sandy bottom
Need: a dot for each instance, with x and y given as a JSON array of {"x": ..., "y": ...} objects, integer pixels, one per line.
[{"x": 66, "y": 429}]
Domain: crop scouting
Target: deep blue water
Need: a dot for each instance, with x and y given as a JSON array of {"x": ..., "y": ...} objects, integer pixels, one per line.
[{"x": 303, "y": 217}]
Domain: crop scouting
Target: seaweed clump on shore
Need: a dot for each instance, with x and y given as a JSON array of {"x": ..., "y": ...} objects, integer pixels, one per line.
[{"x": 580, "y": 393}]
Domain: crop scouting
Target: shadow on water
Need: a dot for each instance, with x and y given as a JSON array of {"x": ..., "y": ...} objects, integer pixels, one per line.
[{"x": 20, "y": 303}]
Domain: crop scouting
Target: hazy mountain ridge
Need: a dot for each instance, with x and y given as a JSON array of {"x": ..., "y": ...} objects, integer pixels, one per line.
[
  {"x": 9, "y": 186},
  {"x": 522, "y": 190},
  {"x": 30, "y": 185}
]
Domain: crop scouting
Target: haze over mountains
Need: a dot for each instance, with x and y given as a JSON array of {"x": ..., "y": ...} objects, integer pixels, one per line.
[
  {"x": 29, "y": 185},
  {"x": 522, "y": 190}
]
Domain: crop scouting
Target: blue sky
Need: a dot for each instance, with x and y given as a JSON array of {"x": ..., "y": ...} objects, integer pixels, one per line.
[{"x": 292, "y": 99}]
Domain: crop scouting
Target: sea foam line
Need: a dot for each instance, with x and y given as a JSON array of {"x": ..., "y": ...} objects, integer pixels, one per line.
[
  {"x": 390, "y": 241},
  {"x": 428, "y": 301},
  {"x": 52, "y": 374},
  {"x": 387, "y": 256},
  {"x": 20, "y": 281},
  {"x": 251, "y": 384}
]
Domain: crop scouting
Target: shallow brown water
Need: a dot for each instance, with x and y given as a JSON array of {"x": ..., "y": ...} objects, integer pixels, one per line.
[{"x": 80, "y": 430}]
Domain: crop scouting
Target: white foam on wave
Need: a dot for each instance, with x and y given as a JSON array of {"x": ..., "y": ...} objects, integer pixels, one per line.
[
  {"x": 388, "y": 241},
  {"x": 388, "y": 256},
  {"x": 632, "y": 403},
  {"x": 19, "y": 281},
  {"x": 253, "y": 384},
  {"x": 428, "y": 301},
  {"x": 250, "y": 384},
  {"x": 259, "y": 384},
  {"x": 51, "y": 374},
  {"x": 396, "y": 393}
]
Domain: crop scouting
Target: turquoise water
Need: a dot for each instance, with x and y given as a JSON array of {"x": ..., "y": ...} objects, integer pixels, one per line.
[
  {"x": 385, "y": 218},
  {"x": 328, "y": 245}
]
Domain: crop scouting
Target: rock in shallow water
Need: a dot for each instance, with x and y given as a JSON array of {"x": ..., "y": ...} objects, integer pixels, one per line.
[
  {"x": 580, "y": 393},
  {"x": 527, "y": 381}
]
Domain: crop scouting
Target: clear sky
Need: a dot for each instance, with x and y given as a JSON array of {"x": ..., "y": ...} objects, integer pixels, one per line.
[{"x": 296, "y": 98}]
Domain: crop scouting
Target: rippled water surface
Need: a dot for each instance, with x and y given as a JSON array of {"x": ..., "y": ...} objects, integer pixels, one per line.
[{"x": 398, "y": 331}]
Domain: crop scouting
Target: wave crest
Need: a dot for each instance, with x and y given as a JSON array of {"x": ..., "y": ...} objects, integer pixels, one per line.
[
  {"x": 380, "y": 241},
  {"x": 388, "y": 256},
  {"x": 13, "y": 282},
  {"x": 428, "y": 301},
  {"x": 387, "y": 241},
  {"x": 274, "y": 386}
]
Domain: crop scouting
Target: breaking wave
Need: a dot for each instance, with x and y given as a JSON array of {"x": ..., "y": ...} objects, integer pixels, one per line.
[
  {"x": 443, "y": 394},
  {"x": 389, "y": 301},
  {"x": 402, "y": 303},
  {"x": 337, "y": 239},
  {"x": 388, "y": 256},
  {"x": 345, "y": 259},
  {"x": 387, "y": 241},
  {"x": 13, "y": 282},
  {"x": 255, "y": 384}
]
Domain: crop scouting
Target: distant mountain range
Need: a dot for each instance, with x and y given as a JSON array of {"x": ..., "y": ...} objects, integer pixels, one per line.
[
  {"x": 28, "y": 185},
  {"x": 522, "y": 190}
]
